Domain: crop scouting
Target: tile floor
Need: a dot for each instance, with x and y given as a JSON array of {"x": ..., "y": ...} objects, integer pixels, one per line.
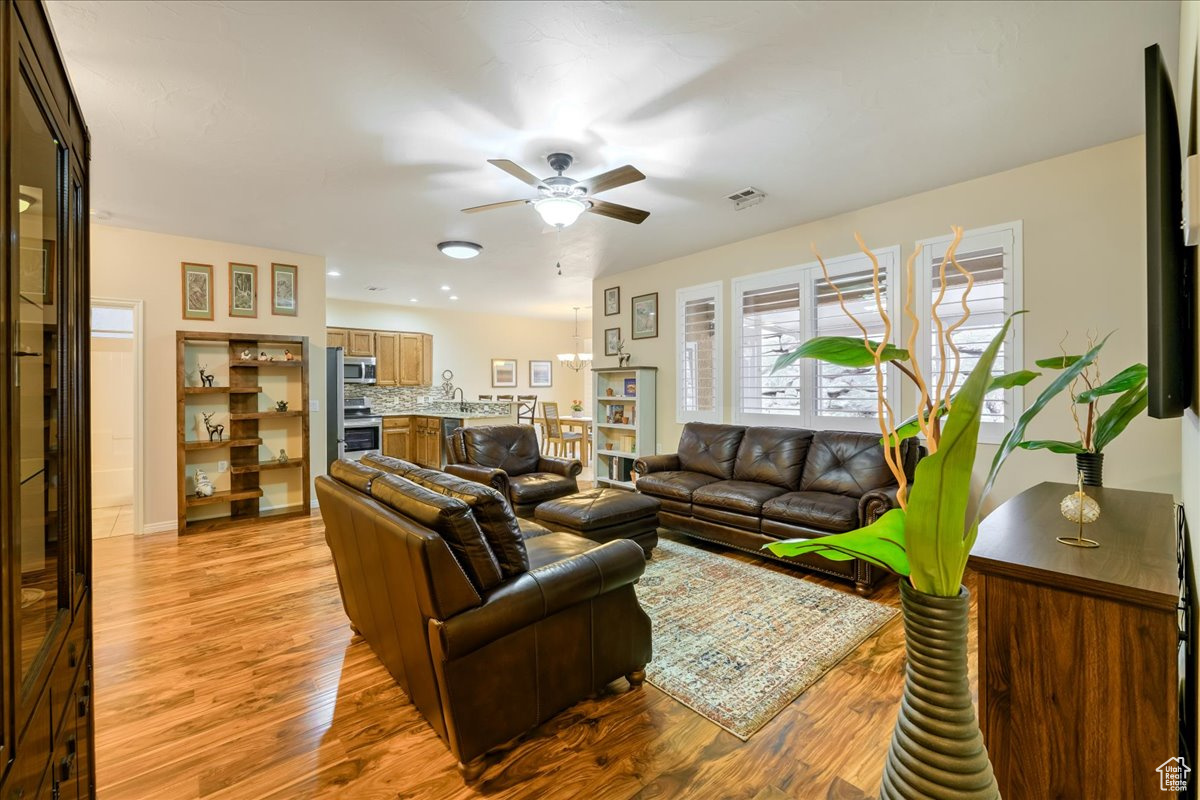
[{"x": 112, "y": 521}]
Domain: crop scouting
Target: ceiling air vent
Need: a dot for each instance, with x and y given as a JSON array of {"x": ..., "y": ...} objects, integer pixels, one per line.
[
  {"x": 376, "y": 288},
  {"x": 746, "y": 197}
]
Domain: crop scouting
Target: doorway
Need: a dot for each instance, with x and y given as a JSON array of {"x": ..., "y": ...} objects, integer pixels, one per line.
[{"x": 116, "y": 415}]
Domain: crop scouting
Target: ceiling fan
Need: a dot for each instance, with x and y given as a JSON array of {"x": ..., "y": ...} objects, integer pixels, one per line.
[{"x": 561, "y": 199}]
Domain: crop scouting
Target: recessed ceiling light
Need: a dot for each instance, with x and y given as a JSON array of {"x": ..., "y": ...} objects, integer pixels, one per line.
[
  {"x": 412, "y": 299},
  {"x": 460, "y": 249},
  {"x": 453, "y": 297},
  {"x": 333, "y": 273},
  {"x": 445, "y": 288}
]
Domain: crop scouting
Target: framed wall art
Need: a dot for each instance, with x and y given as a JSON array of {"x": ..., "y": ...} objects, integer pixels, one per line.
[
  {"x": 284, "y": 291},
  {"x": 504, "y": 372},
  {"x": 644, "y": 309},
  {"x": 612, "y": 341},
  {"x": 243, "y": 290},
  {"x": 197, "y": 290},
  {"x": 541, "y": 374},
  {"x": 612, "y": 301}
]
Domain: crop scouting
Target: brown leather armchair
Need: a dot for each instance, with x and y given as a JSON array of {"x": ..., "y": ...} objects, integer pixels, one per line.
[
  {"x": 507, "y": 458},
  {"x": 488, "y": 631}
]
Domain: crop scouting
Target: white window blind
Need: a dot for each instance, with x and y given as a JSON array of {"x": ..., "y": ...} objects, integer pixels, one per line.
[
  {"x": 778, "y": 311},
  {"x": 991, "y": 256},
  {"x": 698, "y": 342}
]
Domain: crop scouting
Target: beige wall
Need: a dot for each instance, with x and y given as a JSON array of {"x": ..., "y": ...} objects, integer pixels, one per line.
[
  {"x": 138, "y": 265},
  {"x": 466, "y": 342},
  {"x": 1189, "y": 118},
  {"x": 1084, "y": 251}
]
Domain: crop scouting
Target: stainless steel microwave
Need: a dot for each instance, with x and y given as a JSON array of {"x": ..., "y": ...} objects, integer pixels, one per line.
[{"x": 358, "y": 369}]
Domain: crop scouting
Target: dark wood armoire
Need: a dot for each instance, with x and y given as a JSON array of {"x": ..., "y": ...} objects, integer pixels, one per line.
[{"x": 46, "y": 728}]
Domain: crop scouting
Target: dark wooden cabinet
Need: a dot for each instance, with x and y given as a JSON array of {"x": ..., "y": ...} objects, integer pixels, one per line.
[
  {"x": 46, "y": 730},
  {"x": 1079, "y": 649}
]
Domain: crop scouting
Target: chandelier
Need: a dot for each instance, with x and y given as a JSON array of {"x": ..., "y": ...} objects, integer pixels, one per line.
[{"x": 576, "y": 360}]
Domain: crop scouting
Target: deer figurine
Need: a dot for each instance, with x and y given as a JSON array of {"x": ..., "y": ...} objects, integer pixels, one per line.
[
  {"x": 215, "y": 432},
  {"x": 206, "y": 379}
]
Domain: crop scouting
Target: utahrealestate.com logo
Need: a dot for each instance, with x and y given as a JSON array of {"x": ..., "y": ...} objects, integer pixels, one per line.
[{"x": 1172, "y": 775}]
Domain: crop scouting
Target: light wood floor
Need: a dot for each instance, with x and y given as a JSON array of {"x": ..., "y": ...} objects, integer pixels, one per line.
[{"x": 225, "y": 668}]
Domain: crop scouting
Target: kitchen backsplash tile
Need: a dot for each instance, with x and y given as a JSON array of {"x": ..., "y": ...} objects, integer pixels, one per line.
[{"x": 415, "y": 399}]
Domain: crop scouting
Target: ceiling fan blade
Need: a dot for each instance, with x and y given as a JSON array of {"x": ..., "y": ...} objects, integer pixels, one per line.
[
  {"x": 623, "y": 213},
  {"x": 612, "y": 179},
  {"x": 490, "y": 206},
  {"x": 517, "y": 171}
]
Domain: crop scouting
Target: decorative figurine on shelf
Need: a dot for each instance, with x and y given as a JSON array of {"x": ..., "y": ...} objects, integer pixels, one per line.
[
  {"x": 1078, "y": 507},
  {"x": 246, "y": 355},
  {"x": 262, "y": 356},
  {"x": 283, "y": 456},
  {"x": 622, "y": 356},
  {"x": 609, "y": 392},
  {"x": 204, "y": 486},
  {"x": 215, "y": 432},
  {"x": 287, "y": 356},
  {"x": 281, "y": 405},
  {"x": 206, "y": 380}
]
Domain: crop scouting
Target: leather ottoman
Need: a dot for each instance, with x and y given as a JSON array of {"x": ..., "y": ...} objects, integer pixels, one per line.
[{"x": 603, "y": 515}]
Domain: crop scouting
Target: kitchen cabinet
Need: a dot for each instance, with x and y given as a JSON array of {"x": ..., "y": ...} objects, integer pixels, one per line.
[
  {"x": 397, "y": 433},
  {"x": 335, "y": 337},
  {"x": 387, "y": 358},
  {"x": 360, "y": 343},
  {"x": 416, "y": 359},
  {"x": 426, "y": 446}
]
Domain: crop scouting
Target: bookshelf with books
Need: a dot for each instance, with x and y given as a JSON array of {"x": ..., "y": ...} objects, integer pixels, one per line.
[{"x": 623, "y": 427}]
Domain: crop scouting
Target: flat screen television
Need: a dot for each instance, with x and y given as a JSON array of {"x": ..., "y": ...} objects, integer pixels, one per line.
[{"x": 1171, "y": 306}]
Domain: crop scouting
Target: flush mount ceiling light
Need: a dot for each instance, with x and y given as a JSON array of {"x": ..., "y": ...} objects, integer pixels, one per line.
[
  {"x": 576, "y": 360},
  {"x": 333, "y": 273},
  {"x": 559, "y": 211},
  {"x": 24, "y": 202},
  {"x": 460, "y": 249}
]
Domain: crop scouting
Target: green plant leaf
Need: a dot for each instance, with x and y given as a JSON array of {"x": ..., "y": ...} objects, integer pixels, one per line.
[
  {"x": 937, "y": 535},
  {"x": 1123, "y": 381},
  {"x": 910, "y": 428},
  {"x": 1053, "y": 445},
  {"x": 843, "y": 351},
  {"x": 1057, "y": 362},
  {"x": 1120, "y": 414},
  {"x": 881, "y": 543},
  {"x": 1013, "y": 379},
  {"x": 1014, "y": 437}
]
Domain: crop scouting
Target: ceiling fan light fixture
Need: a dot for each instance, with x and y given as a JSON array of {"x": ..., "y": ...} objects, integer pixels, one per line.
[
  {"x": 460, "y": 250},
  {"x": 559, "y": 211}
]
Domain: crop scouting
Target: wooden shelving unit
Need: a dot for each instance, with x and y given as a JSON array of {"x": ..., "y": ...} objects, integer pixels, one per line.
[
  {"x": 254, "y": 485},
  {"x": 619, "y": 443}
]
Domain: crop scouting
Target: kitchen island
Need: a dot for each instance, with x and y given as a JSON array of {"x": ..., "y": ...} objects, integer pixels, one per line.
[{"x": 420, "y": 435}]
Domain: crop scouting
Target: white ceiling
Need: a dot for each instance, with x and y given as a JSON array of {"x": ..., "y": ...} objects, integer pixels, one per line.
[{"x": 358, "y": 130}]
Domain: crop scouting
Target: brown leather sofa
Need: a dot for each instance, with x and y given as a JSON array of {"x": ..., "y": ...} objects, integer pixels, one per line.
[
  {"x": 748, "y": 486},
  {"x": 489, "y": 625},
  {"x": 507, "y": 458}
]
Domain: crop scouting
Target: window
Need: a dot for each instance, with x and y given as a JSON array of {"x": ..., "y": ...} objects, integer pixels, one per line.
[
  {"x": 698, "y": 344},
  {"x": 777, "y": 311},
  {"x": 992, "y": 256}
]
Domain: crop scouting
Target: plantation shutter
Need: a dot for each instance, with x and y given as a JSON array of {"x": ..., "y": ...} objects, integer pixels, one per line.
[
  {"x": 848, "y": 391},
  {"x": 771, "y": 325},
  {"x": 699, "y": 352}
]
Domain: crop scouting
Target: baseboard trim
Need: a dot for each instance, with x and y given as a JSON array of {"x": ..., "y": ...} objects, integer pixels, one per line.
[{"x": 161, "y": 527}]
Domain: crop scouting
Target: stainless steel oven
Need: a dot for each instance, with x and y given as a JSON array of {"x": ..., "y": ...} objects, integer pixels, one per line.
[
  {"x": 362, "y": 430},
  {"x": 358, "y": 369}
]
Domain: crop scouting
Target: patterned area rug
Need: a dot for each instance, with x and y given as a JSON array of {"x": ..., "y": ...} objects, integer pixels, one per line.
[{"x": 736, "y": 642}]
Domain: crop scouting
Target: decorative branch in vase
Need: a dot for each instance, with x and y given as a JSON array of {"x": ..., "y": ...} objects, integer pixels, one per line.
[{"x": 937, "y": 750}]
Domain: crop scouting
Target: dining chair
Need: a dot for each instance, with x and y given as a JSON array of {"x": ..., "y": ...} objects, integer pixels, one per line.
[
  {"x": 554, "y": 433},
  {"x": 526, "y": 409},
  {"x": 501, "y": 398}
]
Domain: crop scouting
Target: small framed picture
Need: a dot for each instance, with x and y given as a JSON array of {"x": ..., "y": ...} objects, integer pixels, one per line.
[
  {"x": 630, "y": 388},
  {"x": 504, "y": 372},
  {"x": 541, "y": 374},
  {"x": 612, "y": 301},
  {"x": 612, "y": 341},
  {"x": 283, "y": 290},
  {"x": 37, "y": 273},
  {"x": 644, "y": 308},
  {"x": 197, "y": 291},
  {"x": 243, "y": 290}
]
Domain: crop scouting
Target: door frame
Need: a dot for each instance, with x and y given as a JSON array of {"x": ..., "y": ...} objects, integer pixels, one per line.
[{"x": 139, "y": 397}]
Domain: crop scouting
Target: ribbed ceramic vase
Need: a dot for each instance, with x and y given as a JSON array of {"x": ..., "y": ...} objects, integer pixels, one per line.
[
  {"x": 937, "y": 750},
  {"x": 1092, "y": 467}
]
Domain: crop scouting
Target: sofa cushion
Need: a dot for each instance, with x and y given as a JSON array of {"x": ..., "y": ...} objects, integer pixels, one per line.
[
  {"x": 709, "y": 449},
  {"x": 772, "y": 455},
  {"x": 450, "y": 518},
  {"x": 741, "y": 496},
  {"x": 846, "y": 463},
  {"x": 828, "y": 512},
  {"x": 673, "y": 485},
  {"x": 551, "y": 547},
  {"x": 537, "y": 487},
  {"x": 512, "y": 448},
  {"x": 390, "y": 465},
  {"x": 491, "y": 511},
  {"x": 353, "y": 474},
  {"x": 723, "y": 516}
]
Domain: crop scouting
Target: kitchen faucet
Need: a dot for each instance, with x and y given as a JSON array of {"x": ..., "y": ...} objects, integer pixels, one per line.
[{"x": 462, "y": 400}]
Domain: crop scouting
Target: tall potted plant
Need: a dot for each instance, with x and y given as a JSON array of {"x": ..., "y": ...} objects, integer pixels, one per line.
[
  {"x": 1097, "y": 429},
  {"x": 937, "y": 750}
]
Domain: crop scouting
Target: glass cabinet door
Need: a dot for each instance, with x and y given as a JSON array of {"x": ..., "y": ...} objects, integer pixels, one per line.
[{"x": 43, "y": 555}]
